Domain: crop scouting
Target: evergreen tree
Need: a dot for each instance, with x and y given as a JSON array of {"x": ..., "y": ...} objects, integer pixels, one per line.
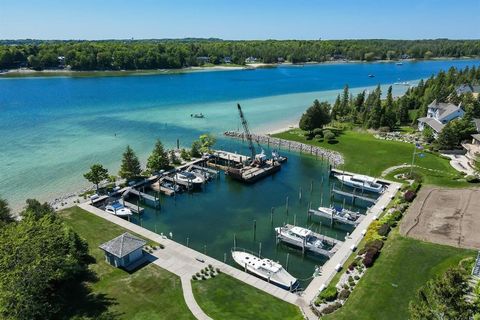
[
  {"x": 5, "y": 214},
  {"x": 158, "y": 159},
  {"x": 316, "y": 116},
  {"x": 130, "y": 167}
]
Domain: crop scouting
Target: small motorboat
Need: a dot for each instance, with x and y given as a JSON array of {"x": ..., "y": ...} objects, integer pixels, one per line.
[
  {"x": 197, "y": 115},
  {"x": 189, "y": 177},
  {"x": 118, "y": 209},
  {"x": 371, "y": 76},
  {"x": 361, "y": 182}
]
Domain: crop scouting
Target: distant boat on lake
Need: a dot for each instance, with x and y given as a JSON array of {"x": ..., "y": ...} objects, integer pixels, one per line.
[{"x": 371, "y": 76}]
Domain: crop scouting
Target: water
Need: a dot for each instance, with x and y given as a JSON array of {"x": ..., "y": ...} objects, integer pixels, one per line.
[{"x": 53, "y": 129}]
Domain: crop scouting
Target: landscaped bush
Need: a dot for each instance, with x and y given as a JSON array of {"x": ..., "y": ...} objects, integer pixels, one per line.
[
  {"x": 308, "y": 135},
  {"x": 352, "y": 265},
  {"x": 319, "y": 138},
  {"x": 472, "y": 179},
  {"x": 344, "y": 294},
  {"x": 384, "y": 229},
  {"x": 329, "y": 294},
  {"x": 370, "y": 256},
  {"x": 376, "y": 244},
  {"x": 356, "y": 278},
  {"x": 331, "y": 308},
  {"x": 194, "y": 277},
  {"x": 409, "y": 195},
  {"x": 318, "y": 132},
  {"x": 329, "y": 135}
]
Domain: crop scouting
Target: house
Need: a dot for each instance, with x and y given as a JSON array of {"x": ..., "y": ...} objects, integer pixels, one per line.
[
  {"x": 468, "y": 88},
  {"x": 203, "y": 59},
  {"x": 124, "y": 251},
  {"x": 280, "y": 60},
  {"x": 227, "y": 60},
  {"x": 473, "y": 147},
  {"x": 251, "y": 60},
  {"x": 61, "y": 61},
  {"x": 438, "y": 115}
]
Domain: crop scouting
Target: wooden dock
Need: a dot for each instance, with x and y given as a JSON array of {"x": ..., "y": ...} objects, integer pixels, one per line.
[
  {"x": 142, "y": 196},
  {"x": 352, "y": 196},
  {"x": 135, "y": 208},
  {"x": 156, "y": 186}
]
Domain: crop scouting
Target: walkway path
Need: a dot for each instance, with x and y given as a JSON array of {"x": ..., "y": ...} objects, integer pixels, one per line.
[
  {"x": 329, "y": 268},
  {"x": 184, "y": 262}
]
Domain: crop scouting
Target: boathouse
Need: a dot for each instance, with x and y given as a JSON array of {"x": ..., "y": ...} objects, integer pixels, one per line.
[{"x": 124, "y": 251}]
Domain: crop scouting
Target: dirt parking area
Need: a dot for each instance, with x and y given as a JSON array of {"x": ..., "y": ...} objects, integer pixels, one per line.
[{"x": 445, "y": 216}]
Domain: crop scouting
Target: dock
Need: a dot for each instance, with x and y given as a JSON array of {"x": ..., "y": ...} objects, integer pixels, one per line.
[
  {"x": 185, "y": 184},
  {"x": 135, "y": 208},
  {"x": 250, "y": 174},
  {"x": 142, "y": 196},
  {"x": 352, "y": 196},
  {"x": 156, "y": 186},
  {"x": 331, "y": 241}
]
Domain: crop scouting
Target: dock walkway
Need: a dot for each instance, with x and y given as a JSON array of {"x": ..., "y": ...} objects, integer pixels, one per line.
[{"x": 329, "y": 269}]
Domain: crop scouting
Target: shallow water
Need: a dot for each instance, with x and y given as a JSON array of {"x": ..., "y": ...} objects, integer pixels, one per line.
[{"x": 53, "y": 129}]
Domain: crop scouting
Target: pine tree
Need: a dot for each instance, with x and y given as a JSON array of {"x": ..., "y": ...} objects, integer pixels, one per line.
[
  {"x": 96, "y": 174},
  {"x": 158, "y": 159},
  {"x": 130, "y": 167}
]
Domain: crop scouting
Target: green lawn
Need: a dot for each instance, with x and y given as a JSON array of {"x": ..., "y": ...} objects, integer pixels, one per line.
[
  {"x": 404, "y": 265},
  {"x": 365, "y": 154},
  {"x": 224, "y": 297},
  {"x": 149, "y": 293}
]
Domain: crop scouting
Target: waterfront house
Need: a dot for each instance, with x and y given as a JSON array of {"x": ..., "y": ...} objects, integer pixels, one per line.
[
  {"x": 203, "y": 60},
  {"x": 468, "y": 88},
  {"x": 438, "y": 115},
  {"x": 280, "y": 60},
  {"x": 227, "y": 60},
  {"x": 124, "y": 251},
  {"x": 251, "y": 60}
]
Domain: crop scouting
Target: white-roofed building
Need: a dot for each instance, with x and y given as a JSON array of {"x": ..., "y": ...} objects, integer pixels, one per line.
[{"x": 438, "y": 115}]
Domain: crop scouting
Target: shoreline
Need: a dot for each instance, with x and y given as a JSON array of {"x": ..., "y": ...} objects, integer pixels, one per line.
[{"x": 30, "y": 73}]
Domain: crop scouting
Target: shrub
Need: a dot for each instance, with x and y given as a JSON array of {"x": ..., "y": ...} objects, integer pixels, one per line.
[
  {"x": 319, "y": 138},
  {"x": 308, "y": 135},
  {"x": 472, "y": 179},
  {"x": 350, "y": 279},
  {"x": 331, "y": 308},
  {"x": 345, "y": 286},
  {"x": 218, "y": 270},
  {"x": 329, "y": 294},
  {"x": 197, "y": 274},
  {"x": 375, "y": 244},
  {"x": 344, "y": 294},
  {"x": 210, "y": 267},
  {"x": 384, "y": 229},
  {"x": 370, "y": 257},
  {"x": 329, "y": 135},
  {"x": 353, "y": 265},
  {"x": 194, "y": 277},
  {"x": 318, "y": 132},
  {"x": 356, "y": 278},
  {"x": 409, "y": 195}
]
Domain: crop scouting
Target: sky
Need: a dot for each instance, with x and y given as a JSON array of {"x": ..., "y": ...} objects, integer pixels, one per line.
[{"x": 236, "y": 20}]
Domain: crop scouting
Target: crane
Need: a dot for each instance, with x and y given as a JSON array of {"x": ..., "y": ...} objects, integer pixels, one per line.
[{"x": 247, "y": 133}]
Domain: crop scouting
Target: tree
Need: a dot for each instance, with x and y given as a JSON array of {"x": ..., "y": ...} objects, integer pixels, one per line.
[
  {"x": 195, "y": 149},
  {"x": 207, "y": 141},
  {"x": 38, "y": 259},
  {"x": 158, "y": 160},
  {"x": 36, "y": 210},
  {"x": 5, "y": 214},
  {"x": 130, "y": 167},
  {"x": 96, "y": 174},
  {"x": 316, "y": 116},
  {"x": 427, "y": 134},
  {"x": 455, "y": 132},
  {"x": 443, "y": 298}
]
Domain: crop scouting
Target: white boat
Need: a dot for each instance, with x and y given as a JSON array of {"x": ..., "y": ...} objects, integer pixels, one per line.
[
  {"x": 189, "y": 177},
  {"x": 340, "y": 214},
  {"x": 118, "y": 209},
  {"x": 305, "y": 239},
  {"x": 277, "y": 157},
  {"x": 359, "y": 181},
  {"x": 266, "y": 269},
  {"x": 399, "y": 63}
]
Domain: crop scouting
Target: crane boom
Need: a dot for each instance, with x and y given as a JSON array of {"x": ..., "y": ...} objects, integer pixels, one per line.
[{"x": 247, "y": 132}]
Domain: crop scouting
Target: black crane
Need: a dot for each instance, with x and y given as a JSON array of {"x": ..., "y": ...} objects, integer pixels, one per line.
[{"x": 248, "y": 135}]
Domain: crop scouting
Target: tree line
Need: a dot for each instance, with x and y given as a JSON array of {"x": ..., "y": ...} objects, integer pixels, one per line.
[
  {"x": 373, "y": 111},
  {"x": 167, "y": 54}
]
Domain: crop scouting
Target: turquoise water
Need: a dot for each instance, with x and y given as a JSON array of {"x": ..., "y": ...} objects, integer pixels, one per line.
[{"x": 53, "y": 129}]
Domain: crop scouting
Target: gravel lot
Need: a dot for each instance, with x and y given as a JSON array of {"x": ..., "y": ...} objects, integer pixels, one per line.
[{"x": 445, "y": 216}]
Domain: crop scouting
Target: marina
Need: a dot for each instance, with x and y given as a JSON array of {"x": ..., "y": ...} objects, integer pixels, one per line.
[{"x": 337, "y": 215}]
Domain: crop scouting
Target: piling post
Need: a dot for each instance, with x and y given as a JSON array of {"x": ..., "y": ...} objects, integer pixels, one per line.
[
  {"x": 286, "y": 206},
  {"x": 311, "y": 187},
  {"x": 260, "y": 250},
  {"x": 300, "y": 194},
  {"x": 254, "y": 229},
  {"x": 286, "y": 264},
  {"x": 234, "y": 241},
  {"x": 224, "y": 257},
  {"x": 205, "y": 249},
  {"x": 271, "y": 215},
  {"x": 188, "y": 241},
  {"x": 295, "y": 219}
]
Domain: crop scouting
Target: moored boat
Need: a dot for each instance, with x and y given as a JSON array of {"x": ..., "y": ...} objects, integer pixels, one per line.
[
  {"x": 117, "y": 209},
  {"x": 359, "y": 181},
  {"x": 266, "y": 269},
  {"x": 189, "y": 177}
]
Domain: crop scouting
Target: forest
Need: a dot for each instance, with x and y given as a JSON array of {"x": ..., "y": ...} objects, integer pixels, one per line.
[{"x": 181, "y": 53}]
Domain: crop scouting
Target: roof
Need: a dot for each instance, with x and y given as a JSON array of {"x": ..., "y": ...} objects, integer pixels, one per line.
[
  {"x": 432, "y": 123},
  {"x": 465, "y": 88},
  {"x": 444, "y": 109},
  {"x": 123, "y": 245},
  {"x": 476, "y": 136}
]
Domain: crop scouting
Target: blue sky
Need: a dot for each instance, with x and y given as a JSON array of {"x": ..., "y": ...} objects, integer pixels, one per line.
[{"x": 247, "y": 19}]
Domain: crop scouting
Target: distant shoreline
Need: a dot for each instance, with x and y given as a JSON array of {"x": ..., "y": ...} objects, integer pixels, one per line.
[{"x": 27, "y": 72}]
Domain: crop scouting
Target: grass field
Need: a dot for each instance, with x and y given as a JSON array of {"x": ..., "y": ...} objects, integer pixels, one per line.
[
  {"x": 404, "y": 266},
  {"x": 149, "y": 293},
  {"x": 365, "y": 154},
  {"x": 224, "y": 297}
]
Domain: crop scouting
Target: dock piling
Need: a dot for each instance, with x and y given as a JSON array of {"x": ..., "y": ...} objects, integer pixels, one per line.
[{"x": 254, "y": 230}]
